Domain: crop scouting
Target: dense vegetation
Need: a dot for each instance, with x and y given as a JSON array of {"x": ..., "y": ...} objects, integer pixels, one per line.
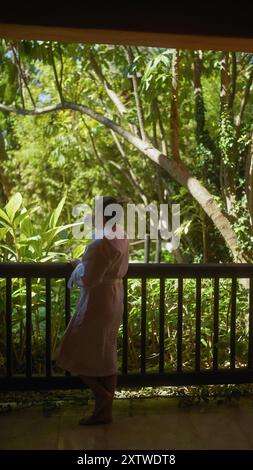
[{"x": 143, "y": 124}]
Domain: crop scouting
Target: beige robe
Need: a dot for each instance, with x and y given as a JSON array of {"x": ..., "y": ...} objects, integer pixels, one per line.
[{"x": 89, "y": 344}]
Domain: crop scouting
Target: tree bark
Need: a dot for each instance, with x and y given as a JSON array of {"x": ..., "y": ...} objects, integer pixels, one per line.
[
  {"x": 174, "y": 115},
  {"x": 233, "y": 81},
  {"x": 226, "y": 115},
  {"x": 202, "y": 134}
]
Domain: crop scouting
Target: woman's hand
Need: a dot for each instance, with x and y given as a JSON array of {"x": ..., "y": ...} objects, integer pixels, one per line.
[{"x": 75, "y": 261}]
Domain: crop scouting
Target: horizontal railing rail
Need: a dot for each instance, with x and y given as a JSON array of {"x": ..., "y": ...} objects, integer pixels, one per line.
[
  {"x": 142, "y": 271},
  {"x": 136, "y": 270}
]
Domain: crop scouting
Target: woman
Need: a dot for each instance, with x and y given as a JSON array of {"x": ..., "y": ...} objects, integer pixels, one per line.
[{"x": 89, "y": 345}]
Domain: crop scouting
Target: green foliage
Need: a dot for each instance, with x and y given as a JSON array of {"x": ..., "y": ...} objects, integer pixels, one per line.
[
  {"x": 54, "y": 161},
  {"x": 227, "y": 138},
  {"x": 134, "y": 324},
  {"x": 155, "y": 75},
  {"x": 24, "y": 239},
  {"x": 53, "y": 154}
]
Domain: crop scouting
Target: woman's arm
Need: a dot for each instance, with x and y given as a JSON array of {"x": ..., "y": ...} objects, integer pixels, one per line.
[{"x": 97, "y": 259}]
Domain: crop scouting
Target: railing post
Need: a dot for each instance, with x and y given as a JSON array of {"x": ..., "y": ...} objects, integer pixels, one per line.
[
  {"x": 8, "y": 328},
  {"x": 161, "y": 326},
  {"x": 233, "y": 324},
  {"x": 48, "y": 328},
  {"x": 158, "y": 251},
  {"x": 67, "y": 303},
  {"x": 147, "y": 248},
  {"x": 179, "y": 324},
  {"x": 143, "y": 323},
  {"x": 215, "y": 323},
  {"x": 214, "y": 374},
  {"x": 125, "y": 329},
  {"x": 198, "y": 324},
  {"x": 67, "y": 310},
  {"x": 250, "y": 352},
  {"x": 28, "y": 328}
]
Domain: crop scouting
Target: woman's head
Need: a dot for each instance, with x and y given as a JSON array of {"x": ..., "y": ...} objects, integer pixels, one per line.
[
  {"x": 104, "y": 216},
  {"x": 107, "y": 200},
  {"x": 105, "y": 219}
]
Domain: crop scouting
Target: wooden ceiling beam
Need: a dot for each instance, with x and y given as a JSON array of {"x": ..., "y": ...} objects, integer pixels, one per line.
[{"x": 109, "y": 36}]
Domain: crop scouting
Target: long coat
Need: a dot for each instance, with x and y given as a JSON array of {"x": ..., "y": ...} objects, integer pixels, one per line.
[{"x": 89, "y": 344}]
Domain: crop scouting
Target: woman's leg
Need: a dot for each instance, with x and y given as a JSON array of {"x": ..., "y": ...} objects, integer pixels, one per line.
[
  {"x": 103, "y": 399},
  {"x": 109, "y": 382}
]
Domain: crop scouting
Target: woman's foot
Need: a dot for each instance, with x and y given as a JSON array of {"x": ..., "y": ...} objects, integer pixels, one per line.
[
  {"x": 103, "y": 407},
  {"x": 94, "y": 420},
  {"x": 103, "y": 411}
]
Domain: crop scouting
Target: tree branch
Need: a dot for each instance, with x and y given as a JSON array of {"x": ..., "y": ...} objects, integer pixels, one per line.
[
  {"x": 131, "y": 176},
  {"x": 224, "y": 91},
  {"x": 161, "y": 128},
  {"x": 244, "y": 101},
  {"x": 176, "y": 170},
  {"x": 110, "y": 92},
  {"x": 138, "y": 103},
  {"x": 5, "y": 180},
  {"x": 19, "y": 76},
  {"x": 101, "y": 161},
  {"x": 31, "y": 112},
  {"x": 116, "y": 100},
  {"x": 22, "y": 77},
  {"x": 57, "y": 81},
  {"x": 158, "y": 174},
  {"x": 233, "y": 81}
]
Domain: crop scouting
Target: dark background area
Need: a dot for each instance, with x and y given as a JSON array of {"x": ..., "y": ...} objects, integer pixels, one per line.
[{"x": 157, "y": 16}]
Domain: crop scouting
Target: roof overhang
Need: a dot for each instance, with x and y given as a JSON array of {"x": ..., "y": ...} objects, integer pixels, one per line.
[{"x": 160, "y": 23}]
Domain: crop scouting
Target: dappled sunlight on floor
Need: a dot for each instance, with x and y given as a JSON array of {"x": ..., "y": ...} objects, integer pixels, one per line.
[{"x": 156, "y": 423}]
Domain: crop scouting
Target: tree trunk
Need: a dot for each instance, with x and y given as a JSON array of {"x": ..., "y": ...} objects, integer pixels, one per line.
[
  {"x": 249, "y": 182},
  {"x": 175, "y": 169},
  {"x": 203, "y": 136},
  {"x": 5, "y": 184},
  {"x": 179, "y": 172},
  {"x": 228, "y": 153},
  {"x": 174, "y": 115}
]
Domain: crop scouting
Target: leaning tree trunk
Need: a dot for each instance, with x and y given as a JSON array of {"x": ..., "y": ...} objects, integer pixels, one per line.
[
  {"x": 176, "y": 170},
  {"x": 179, "y": 173}
]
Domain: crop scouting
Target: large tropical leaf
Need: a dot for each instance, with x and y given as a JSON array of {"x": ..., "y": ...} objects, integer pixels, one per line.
[
  {"x": 56, "y": 213},
  {"x": 4, "y": 217},
  {"x": 13, "y": 205},
  {"x": 3, "y": 231}
]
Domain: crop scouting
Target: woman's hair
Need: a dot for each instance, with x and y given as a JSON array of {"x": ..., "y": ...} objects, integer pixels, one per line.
[{"x": 109, "y": 200}]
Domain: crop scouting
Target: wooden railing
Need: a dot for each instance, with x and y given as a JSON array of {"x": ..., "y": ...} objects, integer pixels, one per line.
[{"x": 142, "y": 271}]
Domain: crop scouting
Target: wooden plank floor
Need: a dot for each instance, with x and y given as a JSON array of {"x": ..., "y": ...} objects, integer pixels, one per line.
[{"x": 156, "y": 423}]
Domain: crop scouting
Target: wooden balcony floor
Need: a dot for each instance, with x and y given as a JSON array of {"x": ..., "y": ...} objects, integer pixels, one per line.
[{"x": 156, "y": 423}]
